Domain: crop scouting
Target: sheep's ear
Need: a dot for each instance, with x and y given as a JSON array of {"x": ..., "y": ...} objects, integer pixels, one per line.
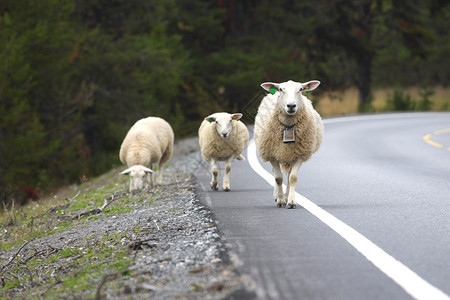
[
  {"x": 148, "y": 170},
  {"x": 236, "y": 116},
  {"x": 271, "y": 87},
  {"x": 210, "y": 118},
  {"x": 126, "y": 172},
  {"x": 310, "y": 85}
]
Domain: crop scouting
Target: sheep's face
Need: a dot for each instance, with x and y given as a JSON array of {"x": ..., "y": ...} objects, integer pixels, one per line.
[
  {"x": 289, "y": 94},
  {"x": 138, "y": 176},
  {"x": 223, "y": 122},
  {"x": 137, "y": 180}
]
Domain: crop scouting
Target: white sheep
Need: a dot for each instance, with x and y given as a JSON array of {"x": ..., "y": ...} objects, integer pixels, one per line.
[
  {"x": 149, "y": 141},
  {"x": 287, "y": 132},
  {"x": 222, "y": 137}
]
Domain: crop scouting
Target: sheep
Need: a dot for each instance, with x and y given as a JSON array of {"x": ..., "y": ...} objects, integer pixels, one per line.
[
  {"x": 222, "y": 137},
  {"x": 149, "y": 141},
  {"x": 287, "y": 132}
]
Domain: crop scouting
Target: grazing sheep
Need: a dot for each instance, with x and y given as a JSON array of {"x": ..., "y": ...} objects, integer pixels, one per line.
[
  {"x": 287, "y": 132},
  {"x": 222, "y": 137},
  {"x": 149, "y": 141}
]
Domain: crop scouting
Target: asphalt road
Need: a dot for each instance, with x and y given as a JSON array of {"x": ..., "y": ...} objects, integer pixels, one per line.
[{"x": 385, "y": 176}]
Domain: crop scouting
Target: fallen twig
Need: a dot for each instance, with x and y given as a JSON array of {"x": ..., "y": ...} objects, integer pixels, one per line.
[
  {"x": 105, "y": 278},
  {"x": 14, "y": 256},
  {"x": 11, "y": 222},
  {"x": 98, "y": 209},
  {"x": 54, "y": 209},
  {"x": 52, "y": 286},
  {"x": 156, "y": 224}
]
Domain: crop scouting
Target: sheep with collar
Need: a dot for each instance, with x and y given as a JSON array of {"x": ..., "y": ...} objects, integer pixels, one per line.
[
  {"x": 222, "y": 137},
  {"x": 149, "y": 141},
  {"x": 287, "y": 132}
]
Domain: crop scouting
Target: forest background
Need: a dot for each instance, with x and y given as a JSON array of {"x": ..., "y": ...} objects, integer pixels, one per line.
[{"x": 76, "y": 74}]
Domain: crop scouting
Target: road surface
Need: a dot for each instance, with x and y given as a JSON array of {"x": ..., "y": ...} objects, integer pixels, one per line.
[{"x": 382, "y": 183}]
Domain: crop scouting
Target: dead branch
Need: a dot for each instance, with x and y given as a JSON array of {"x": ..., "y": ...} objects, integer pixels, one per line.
[
  {"x": 98, "y": 209},
  {"x": 14, "y": 256},
  {"x": 26, "y": 260},
  {"x": 54, "y": 209},
  {"x": 64, "y": 206},
  {"x": 98, "y": 295},
  {"x": 11, "y": 221},
  {"x": 49, "y": 250},
  {"x": 51, "y": 286}
]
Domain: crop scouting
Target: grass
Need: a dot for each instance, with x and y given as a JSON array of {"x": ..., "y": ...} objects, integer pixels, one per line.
[
  {"x": 346, "y": 102},
  {"x": 91, "y": 193},
  {"x": 45, "y": 270}
]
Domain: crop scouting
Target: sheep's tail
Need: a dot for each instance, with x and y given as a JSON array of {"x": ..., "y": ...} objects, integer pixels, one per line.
[{"x": 240, "y": 157}]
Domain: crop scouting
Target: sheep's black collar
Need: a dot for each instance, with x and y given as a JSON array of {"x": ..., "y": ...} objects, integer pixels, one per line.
[{"x": 286, "y": 126}]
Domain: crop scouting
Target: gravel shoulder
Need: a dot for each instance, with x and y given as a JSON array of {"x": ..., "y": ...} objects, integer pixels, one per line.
[{"x": 160, "y": 244}]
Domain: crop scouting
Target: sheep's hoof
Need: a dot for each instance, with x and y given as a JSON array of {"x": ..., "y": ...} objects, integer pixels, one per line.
[
  {"x": 282, "y": 204},
  {"x": 226, "y": 189},
  {"x": 291, "y": 206},
  {"x": 215, "y": 188}
]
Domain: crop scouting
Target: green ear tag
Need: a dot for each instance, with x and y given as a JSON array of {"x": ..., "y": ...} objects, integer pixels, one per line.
[
  {"x": 210, "y": 120},
  {"x": 308, "y": 92},
  {"x": 273, "y": 90}
]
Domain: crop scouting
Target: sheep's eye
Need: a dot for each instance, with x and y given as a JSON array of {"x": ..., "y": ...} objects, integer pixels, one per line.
[
  {"x": 231, "y": 120},
  {"x": 281, "y": 89}
]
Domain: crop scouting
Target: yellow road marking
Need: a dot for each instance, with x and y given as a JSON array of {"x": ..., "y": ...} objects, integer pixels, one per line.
[
  {"x": 442, "y": 131},
  {"x": 427, "y": 137}
]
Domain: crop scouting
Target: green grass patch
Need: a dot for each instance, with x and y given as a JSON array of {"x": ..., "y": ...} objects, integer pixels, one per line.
[
  {"x": 118, "y": 210},
  {"x": 90, "y": 264},
  {"x": 10, "y": 285},
  {"x": 74, "y": 269}
]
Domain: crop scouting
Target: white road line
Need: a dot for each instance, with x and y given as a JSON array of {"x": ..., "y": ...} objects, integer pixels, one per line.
[{"x": 412, "y": 283}]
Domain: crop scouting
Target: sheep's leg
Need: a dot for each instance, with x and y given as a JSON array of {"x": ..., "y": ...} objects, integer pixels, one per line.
[
  {"x": 226, "y": 177},
  {"x": 292, "y": 182},
  {"x": 215, "y": 173},
  {"x": 286, "y": 194},
  {"x": 278, "y": 190},
  {"x": 150, "y": 177},
  {"x": 160, "y": 171}
]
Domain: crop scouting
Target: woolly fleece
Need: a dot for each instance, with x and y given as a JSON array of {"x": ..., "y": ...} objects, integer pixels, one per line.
[
  {"x": 308, "y": 128},
  {"x": 214, "y": 147},
  {"x": 149, "y": 140}
]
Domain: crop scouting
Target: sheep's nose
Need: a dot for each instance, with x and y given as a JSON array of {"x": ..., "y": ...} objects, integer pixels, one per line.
[
  {"x": 291, "y": 106},
  {"x": 224, "y": 135}
]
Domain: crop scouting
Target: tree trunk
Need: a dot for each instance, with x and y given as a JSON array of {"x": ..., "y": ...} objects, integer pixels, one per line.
[
  {"x": 364, "y": 81},
  {"x": 364, "y": 56}
]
